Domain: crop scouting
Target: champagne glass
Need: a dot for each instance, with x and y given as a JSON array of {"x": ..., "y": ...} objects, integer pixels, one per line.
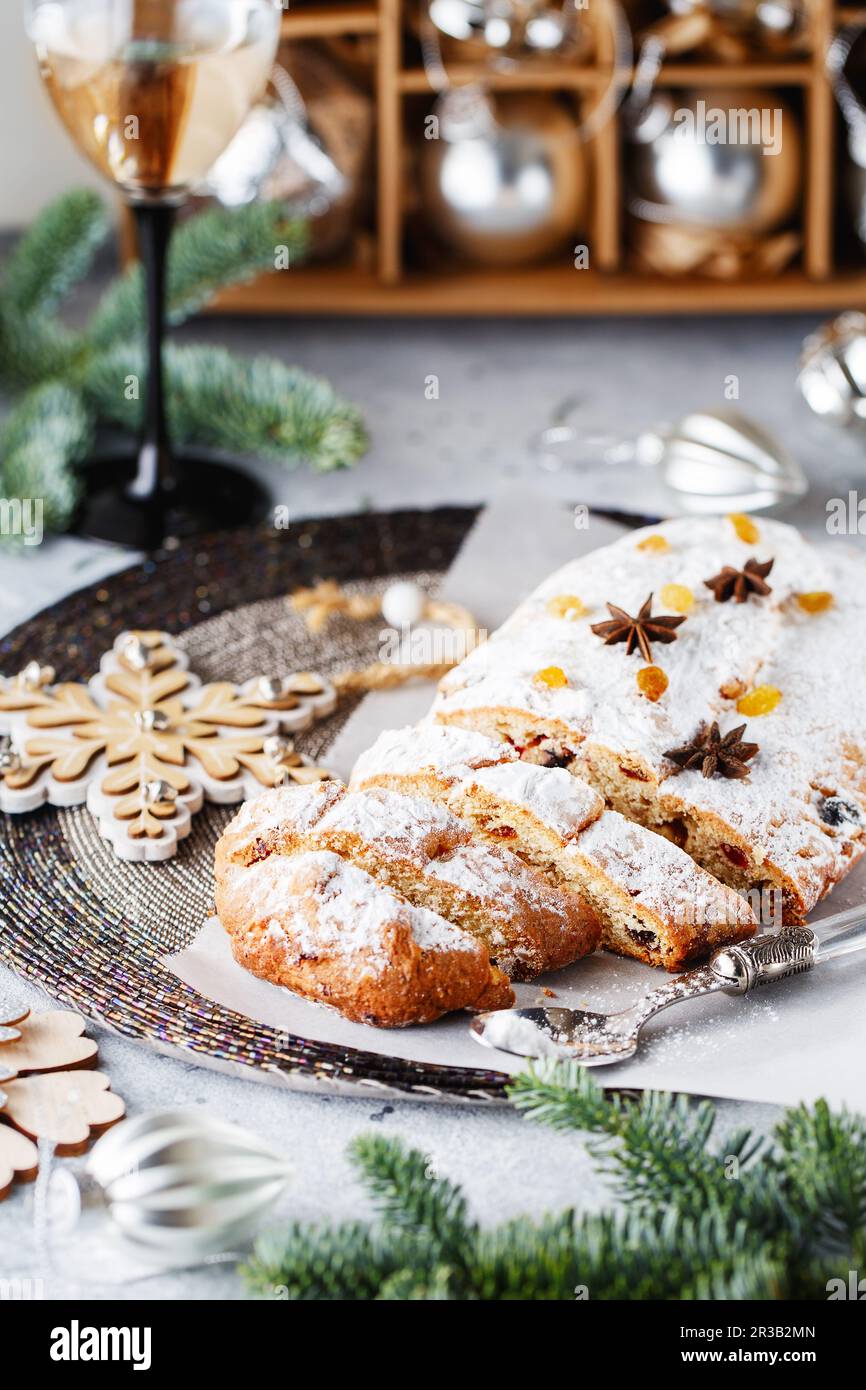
[{"x": 152, "y": 91}]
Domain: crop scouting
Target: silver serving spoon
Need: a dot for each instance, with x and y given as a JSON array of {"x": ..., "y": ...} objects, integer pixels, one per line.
[
  {"x": 597, "y": 1039},
  {"x": 710, "y": 460}
]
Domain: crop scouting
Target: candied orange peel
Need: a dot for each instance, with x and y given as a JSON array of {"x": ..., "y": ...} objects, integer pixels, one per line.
[
  {"x": 655, "y": 543},
  {"x": 677, "y": 597},
  {"x": 745, "y": 528},
  {"x": 818, "y": 601}
]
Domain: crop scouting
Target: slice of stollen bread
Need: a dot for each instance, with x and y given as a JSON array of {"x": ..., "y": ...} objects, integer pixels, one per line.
[
  {"x": 326, "y": 930},
  {"x": 654, "y": 902},
  {"x": 528, "y": 924}
]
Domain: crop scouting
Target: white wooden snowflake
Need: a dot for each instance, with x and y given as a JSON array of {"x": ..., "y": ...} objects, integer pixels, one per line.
[{"x": 143, "y": 743}]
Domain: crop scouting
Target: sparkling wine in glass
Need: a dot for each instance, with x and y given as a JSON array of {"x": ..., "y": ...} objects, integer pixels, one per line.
[{"x": 152, "y": 91}]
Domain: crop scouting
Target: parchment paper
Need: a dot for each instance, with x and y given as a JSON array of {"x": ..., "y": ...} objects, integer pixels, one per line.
[{"x": 790, "y": 1042}]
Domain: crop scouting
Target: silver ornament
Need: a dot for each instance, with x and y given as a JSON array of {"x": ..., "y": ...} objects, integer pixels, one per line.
[
  {"x": 275, "y": 156},
  {"x": 10, "y": 761},
  {"x": 679, "y": 175},
  {"x": 514, "y": 27},
  {"x": 504, "y": 186},
  {"x": 151, "y": 720},
  {"x": 177, "y": 1185},
  {"x": 134, "y": 652},
  {"x": 832, "y": 376},
  {"x": 34, "y": 676},
  {"x": 719, "y": 460},
  {"x": 272, "y": 688},
  {"x": 854, "y": 174},
  {"x": 157, "y": 792},
  {"x": 277, "y": 747},
  {"x": 770, "y": 17}
]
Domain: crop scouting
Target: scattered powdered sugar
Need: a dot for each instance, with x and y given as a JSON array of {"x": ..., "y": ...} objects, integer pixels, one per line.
[{"x": 509, "y": 1032}]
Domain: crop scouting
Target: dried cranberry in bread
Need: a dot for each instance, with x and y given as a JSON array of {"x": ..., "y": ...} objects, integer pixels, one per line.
[{"x": 785, "y": 656}]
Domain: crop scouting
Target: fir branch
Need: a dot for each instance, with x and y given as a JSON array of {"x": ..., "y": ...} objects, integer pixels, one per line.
[
  {"x": 789, "y": 1215},
  {"x": 411, "y": 1199},
  {"x": 662, "y": 1148},
  {"x": 822, "y": 1157},
  {"x": 47, "y": 434},
  {"x": 209, "y": 251},
  {"x": 342, "y": 1262},
  {"x": 253, "y": 406},
  {"x": 36, "y": 350},
  {"x": 55, "y": 254}
]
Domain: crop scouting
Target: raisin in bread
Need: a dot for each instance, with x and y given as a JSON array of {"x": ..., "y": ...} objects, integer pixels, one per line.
[
  {"x": 653, "y": 901},
  {"x": 770, "y": 635}
]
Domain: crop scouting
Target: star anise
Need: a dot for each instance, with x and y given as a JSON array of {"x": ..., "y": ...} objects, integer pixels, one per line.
[
  {"x": 639, "y": 631},
  {"x": 714, "y": 753},
  {"x": 738, "y": 584}
]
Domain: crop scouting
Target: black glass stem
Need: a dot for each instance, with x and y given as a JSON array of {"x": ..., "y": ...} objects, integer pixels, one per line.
[
  {"x": 154, "y": 479},
  {"x": 156, "y": 495}
]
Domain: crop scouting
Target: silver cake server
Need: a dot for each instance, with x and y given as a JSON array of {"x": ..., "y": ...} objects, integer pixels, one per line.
[{"x": 597, "y": 1039}]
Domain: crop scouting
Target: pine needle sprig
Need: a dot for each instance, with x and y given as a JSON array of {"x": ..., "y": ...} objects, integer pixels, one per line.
[
  {"x": 343, "y": 1262},
  {"x": 244, "y": 407},
  {"x": 254, "y": 406},
  {"x": 45, "y": 436},
  {"x": 765, "y": 1219},
  {"x": 209, "y": 251},
  {"x": 55, "y": 254},
  {"x": 412, "y": 1199}
]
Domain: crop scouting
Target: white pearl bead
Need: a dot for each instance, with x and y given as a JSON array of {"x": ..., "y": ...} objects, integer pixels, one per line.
[{"x": 402, "y": 604}]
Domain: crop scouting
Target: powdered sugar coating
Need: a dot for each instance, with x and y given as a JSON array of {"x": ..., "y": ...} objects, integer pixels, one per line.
[
  {"x": 398, "y": 825},
  {"x": 658, "y": 875},
  {"x": 814, "y": 742},
  {"x": 317, "y": 904},
  {"x": 562, "y": 803},
  {"x": 449, "y": 753}
]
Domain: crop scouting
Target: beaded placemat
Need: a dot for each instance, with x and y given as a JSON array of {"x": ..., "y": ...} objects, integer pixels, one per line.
[{"x": 91, "y": 929}]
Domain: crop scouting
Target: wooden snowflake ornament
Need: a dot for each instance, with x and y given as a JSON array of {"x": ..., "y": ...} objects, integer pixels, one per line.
[{"x": 143, "y": 743}]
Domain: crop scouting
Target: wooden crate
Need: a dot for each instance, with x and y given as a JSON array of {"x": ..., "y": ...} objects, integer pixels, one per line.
[{"x": 389, "y": 285}]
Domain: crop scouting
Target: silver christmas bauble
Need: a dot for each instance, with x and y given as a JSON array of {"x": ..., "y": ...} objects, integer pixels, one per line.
[
  {"x": 516, "y": 28},
  {"x": 770, "y": 17},
  {"x": 832, "y": 375},
  {"x": 510, "y": 192},
  {"x": 727, "y": 159},
  {"x": 176, "y": 1184}
]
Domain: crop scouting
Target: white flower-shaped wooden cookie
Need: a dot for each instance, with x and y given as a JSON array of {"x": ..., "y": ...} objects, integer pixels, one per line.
[{"x": 144, "y": 743}]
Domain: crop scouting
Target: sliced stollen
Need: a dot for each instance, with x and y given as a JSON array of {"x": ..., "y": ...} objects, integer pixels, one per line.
[
  {"x": 424, "y": 758},
  {"x": 781, "y": 652},
  {"x": 326, "y": 930},
  {"x": 423, "y": 851},
  {"x": 654, "y": 902},
  {"x": 267, "y": 823}
]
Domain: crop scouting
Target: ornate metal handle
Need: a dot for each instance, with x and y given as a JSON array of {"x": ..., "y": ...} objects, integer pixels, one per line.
[{"x": 767, "y": 958}]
